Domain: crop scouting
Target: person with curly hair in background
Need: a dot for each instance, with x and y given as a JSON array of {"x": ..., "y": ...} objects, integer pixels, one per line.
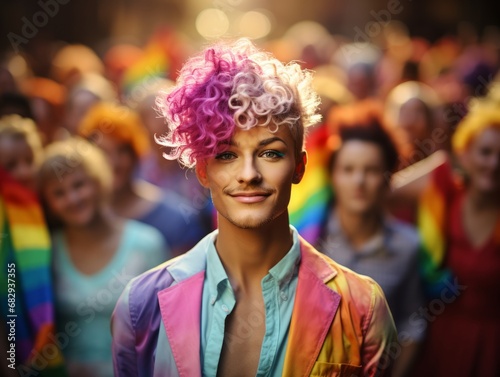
[{"x": 252, "y": 297}]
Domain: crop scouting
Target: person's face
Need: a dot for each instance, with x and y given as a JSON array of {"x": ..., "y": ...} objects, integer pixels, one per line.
[
  {"x": 121, "y": 158},
  {"x": 413, "y": 121},
  {"x": 17, "y": 157},
  {"x": 74, "y": 199},
  {"x": 250, "y": 183},
  {"x": 481, "y": 161},
  {"x": 358, "y": 177}
]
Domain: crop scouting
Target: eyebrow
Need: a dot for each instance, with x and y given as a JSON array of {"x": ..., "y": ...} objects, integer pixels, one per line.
[
  {"x": 262, "y": 143},
  {"x": 270, "y": 140}
]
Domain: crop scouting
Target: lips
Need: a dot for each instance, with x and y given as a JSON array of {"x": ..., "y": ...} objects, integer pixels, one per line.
[{"x": 250, "y": 197}]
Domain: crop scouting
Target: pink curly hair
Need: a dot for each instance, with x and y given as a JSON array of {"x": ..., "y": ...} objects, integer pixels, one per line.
[{"x": 228, "y": 85}]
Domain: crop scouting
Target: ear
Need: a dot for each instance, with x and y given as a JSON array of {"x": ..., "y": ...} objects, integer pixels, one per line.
[
  {"x": 300, "y": 167},
  {"x": 201, "y": 173}
]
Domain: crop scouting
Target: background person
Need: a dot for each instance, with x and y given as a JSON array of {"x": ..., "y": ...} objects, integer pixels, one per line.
[
  {"x": 459, "y": 222},
  {"x": 359, "y": 233},
  {"x": 25, "y": 252},
  {"x": 119, "y": 132},
  {"x": 95, "y": 252}
]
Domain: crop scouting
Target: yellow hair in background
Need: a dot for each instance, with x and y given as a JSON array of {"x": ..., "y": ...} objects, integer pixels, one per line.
[
  {"x": 64, "y": 157},
  {"x": 434, "y": 203},
  {"x": 15, "y": 126},
  {"x": 483, "y": 115},
  {"x": 119, "y": 122}
]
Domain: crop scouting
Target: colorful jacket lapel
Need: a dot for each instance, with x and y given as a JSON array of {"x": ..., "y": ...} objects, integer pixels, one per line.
[
  {"x": 180, "y": 307},
  {"x": 314, "y": 309}
]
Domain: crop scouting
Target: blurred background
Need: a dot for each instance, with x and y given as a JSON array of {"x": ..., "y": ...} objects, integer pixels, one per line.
[
  {"x": 409, "y": 70},
  {"x": 100, "y": 24}
]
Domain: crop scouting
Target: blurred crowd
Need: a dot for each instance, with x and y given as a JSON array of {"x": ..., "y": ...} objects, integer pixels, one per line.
[{"x": 402, "y": 184}]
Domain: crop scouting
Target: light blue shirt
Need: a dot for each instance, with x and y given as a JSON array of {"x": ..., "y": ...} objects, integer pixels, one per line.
[
  {"x": 278, "y": 290},
  {"x": 84, "y": 303}
]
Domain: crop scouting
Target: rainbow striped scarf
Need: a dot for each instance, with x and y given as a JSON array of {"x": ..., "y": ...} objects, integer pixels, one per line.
[
  {"x": 432, "y": 212},
  {"x": 432, "y": 216},
  {"x": 25, "y": 248},
  {"x": 309, "y": 203}
]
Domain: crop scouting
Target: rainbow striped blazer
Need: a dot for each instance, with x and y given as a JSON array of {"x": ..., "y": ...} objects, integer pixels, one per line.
[{"x": 341, "y": 324}]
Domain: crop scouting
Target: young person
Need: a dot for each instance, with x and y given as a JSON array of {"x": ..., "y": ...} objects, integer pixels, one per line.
[
  {"x": 95, "y": 253},
  {"x": 251, "y": 298},
  {"x": 459, "y": 223},
  {"x": 25, "y": 255},
  {"x": 358, "y": 232},
  {"x": 119, "y": 132}
]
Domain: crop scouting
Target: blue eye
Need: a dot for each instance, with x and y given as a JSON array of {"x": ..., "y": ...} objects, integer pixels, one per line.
[{"x": 272, "y": 154}]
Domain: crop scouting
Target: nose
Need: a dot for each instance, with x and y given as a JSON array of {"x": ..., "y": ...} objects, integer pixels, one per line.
[
  {"x": 72, "y": 197},
  {"x": 359, "y": 178},
  {"x": 248, "y": 171}
]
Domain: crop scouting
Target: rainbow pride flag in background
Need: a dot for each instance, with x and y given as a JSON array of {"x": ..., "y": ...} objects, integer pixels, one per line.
[
  {"x": 162, "y": 58},
  {"x": 309, "y": 203},
  {"x": 25, "y": 254},
  {"x": 431, "y": 222}
]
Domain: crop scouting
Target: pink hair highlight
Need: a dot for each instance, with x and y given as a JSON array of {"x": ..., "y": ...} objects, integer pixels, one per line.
[{"x": 232, "y": 85}]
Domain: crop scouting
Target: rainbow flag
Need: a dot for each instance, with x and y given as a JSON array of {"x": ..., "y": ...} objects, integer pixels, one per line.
[
  {"x": 309, "y": 203},
  {"x": 162, "y": 58},
  {"x": 431, "y": 222},
  {"x": 26, "y": 276},
  {"x": 153, "y": 65}
]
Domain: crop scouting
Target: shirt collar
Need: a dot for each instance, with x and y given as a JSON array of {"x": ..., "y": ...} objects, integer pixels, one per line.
[
  {"x": 287, "y": 267},
  {"x": 217, "y": 278},
  {"x": 282, "y": 272},
  {"x": 373, "y": 245}
]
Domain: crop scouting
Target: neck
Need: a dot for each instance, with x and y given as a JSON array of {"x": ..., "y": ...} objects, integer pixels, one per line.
[
  {"x": 249, "y": 254},
  {"x": 359, "y": 227},
  {"x": 481, "y": 200},
  {"x": 101, "y": 224}
]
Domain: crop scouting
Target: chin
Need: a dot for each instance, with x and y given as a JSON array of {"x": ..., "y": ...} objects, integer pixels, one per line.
[
  {"x": 251, "y": 221},
  {"x": 80, "y": 221}
]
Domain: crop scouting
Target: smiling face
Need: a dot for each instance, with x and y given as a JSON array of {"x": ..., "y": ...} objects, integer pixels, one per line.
[
  {"x": 481, "y": 161},
  {"x": 74, "y": 199},
  {"x": 251, "y": 181},
  {"x": 17, "y": 157},
  {"x": 358, "y": 177}
]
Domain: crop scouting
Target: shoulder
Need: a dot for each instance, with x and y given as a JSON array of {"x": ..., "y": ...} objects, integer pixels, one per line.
[
  {"x": 338, "y": 277},
  {"x": 176, "y": 210},
  {"x": 139, "y": 298},
  {"x": 360, "y": 292},
  {"x": 140, "y": 232},
  {"x": 141, "y": 292},
  {"x": 402, "y": 237}
]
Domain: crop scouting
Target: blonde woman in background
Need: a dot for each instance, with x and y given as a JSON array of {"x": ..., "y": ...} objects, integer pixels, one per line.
[{"x": 95, "y": 252}]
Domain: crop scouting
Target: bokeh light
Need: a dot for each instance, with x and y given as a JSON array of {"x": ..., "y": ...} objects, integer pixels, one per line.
[
  {"x": 254, "y": 25},
  {"x": 212, "y": 23}
]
